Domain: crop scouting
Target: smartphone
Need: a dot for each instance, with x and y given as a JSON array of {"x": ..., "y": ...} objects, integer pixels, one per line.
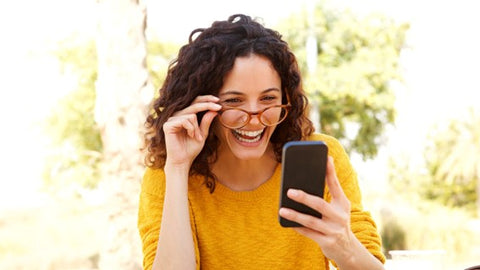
[{"x": 304, "y": 165}]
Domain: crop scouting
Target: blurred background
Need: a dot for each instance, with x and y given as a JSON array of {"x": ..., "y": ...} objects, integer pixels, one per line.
[{"x": 395, "y": 81}]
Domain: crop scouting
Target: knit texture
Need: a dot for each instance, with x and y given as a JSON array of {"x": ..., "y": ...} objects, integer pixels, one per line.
[{"x": 240, "y": 230}]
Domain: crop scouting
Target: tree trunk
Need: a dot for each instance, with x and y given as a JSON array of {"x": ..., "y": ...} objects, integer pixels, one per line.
[{"x": 123, "y": 91}]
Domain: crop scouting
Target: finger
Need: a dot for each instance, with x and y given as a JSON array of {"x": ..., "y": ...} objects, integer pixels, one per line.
[
  {"x": 316, "y": 203},
  {"x": 195, "y": 130},
  {"x": 206, "y": 98},
  {"x": 335, "y": 188},
  {"x": 332, "y": 181},
  {"x": 206, "y": 122},
  {"x": 305, "y": 220},
  {"x": 199, "y": 107},
  {"x": 187, "y": 123}
]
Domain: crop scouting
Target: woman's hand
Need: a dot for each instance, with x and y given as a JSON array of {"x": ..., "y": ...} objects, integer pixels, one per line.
[
  {"x": 184, "y": 137},
  {"x": 332, "y": 232}
]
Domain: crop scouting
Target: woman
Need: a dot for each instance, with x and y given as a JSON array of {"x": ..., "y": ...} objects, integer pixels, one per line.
[{"x": 210, "y": 196}]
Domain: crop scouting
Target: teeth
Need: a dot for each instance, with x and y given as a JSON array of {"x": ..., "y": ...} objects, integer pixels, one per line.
[
  {"x": 247, "y": 140},
  {"x": 254, "y": 135},
  {"x": 249, "y": 133}
]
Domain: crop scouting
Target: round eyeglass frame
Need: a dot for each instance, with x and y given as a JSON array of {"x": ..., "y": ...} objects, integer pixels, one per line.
[{"x": 258, "y": 113}]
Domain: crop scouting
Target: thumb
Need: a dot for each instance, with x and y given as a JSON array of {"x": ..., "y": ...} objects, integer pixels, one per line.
[
  {"x": 206, "y": 122},
  {"x": 332, "y": 181},
  {"x": 336, "y": 189}
]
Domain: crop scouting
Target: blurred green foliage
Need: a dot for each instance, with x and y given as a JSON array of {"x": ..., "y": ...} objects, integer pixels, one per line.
[
  {"x": 76, "y": 143},
  {"x": 73, "y": 117},
  {"x": 160, "y": 55},
  {"x": 76, "y": 151},
  {"x": 451, "y": 173},
  {"x": 419, "y": 224},
  {"x": 357, "y": 63},
  {"x": 393, "y": 236},
  {"x": 453, "y": 162}
]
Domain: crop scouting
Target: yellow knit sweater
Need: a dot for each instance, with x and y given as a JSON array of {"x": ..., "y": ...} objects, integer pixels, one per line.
[{"x": 240, "y": 230}]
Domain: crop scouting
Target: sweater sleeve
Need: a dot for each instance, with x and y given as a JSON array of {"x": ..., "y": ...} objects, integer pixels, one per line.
[
  {"x": 150, "y": 216},
  {"x": 361, "y": 222}
]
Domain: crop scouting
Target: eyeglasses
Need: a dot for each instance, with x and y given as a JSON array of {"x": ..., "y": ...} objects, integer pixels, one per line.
[{"x": 237, "y": 118}]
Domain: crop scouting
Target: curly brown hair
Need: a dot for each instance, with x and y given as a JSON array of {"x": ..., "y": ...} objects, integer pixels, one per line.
[{"x": 200, "y": 69}]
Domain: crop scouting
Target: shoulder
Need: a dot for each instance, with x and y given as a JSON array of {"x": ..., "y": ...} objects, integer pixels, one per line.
[
  {"x": 335, "y": 148},
  {"x": 337, "y": 152},
  {"x": 153, "y": 181}
]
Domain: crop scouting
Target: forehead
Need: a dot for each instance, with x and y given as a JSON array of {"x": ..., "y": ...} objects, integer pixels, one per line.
[{"x": 251, "y": 74}]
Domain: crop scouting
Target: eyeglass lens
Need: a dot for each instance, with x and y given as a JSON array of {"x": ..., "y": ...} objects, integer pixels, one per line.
[{"x": 235, "y": 118}]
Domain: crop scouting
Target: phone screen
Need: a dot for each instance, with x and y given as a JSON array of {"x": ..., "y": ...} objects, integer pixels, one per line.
[{"x": 303, "y": 167}]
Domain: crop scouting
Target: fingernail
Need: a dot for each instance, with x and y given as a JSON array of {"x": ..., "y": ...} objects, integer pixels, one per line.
[{"x": 293, "y": 192}]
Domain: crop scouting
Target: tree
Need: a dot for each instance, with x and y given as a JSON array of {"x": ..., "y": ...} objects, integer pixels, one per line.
[
  {"x": 450, "y": 173},
  {"x": 160, "y": 55},
  {"x": 77, "y": 159},
  {"x": 453, "y": 163},
  {"x": 76, "y": 146},
  {"x": 123, "y": 91},
  {"x": 352, "y": 82}
]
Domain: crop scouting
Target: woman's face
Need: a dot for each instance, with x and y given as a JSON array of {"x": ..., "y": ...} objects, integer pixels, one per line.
[{"x": 252, "y": 85}]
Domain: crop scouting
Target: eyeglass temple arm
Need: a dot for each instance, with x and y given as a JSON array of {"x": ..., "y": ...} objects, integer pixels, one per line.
[{"x": 288, "y": 97}]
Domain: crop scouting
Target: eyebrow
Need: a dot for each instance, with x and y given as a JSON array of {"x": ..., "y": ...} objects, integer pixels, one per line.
[{"x": 235, "y": 92}]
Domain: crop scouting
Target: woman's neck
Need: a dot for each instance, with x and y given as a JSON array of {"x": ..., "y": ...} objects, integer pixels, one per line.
[{"x": 244, "y": 175}]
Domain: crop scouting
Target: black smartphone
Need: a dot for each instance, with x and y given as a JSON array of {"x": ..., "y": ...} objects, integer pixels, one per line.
[{"x": 304, "y": 165}]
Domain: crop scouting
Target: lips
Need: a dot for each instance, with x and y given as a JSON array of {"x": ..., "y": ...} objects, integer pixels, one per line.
[{"x": 247, "y": 135}]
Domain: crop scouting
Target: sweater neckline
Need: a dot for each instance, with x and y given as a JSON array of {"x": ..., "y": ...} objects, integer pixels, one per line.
[{"x": 260, "y": 192}]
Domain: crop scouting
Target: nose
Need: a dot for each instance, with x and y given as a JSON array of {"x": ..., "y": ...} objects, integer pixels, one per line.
[
  {"x": 254, "y": 110},
  {"x": 255, "y": 119},
  {"x": 253, "y": 107}
]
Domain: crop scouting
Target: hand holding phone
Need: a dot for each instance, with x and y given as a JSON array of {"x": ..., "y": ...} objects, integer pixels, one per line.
[{"x": 304, "y": 166}]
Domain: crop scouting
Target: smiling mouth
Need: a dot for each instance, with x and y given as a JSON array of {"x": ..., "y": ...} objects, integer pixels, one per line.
[{"x": 248, "y": 136}]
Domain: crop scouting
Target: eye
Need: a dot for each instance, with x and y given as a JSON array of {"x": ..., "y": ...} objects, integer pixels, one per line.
[
  {"x": 230, "y": 101},
  {"x": 269, "y": 98}
]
